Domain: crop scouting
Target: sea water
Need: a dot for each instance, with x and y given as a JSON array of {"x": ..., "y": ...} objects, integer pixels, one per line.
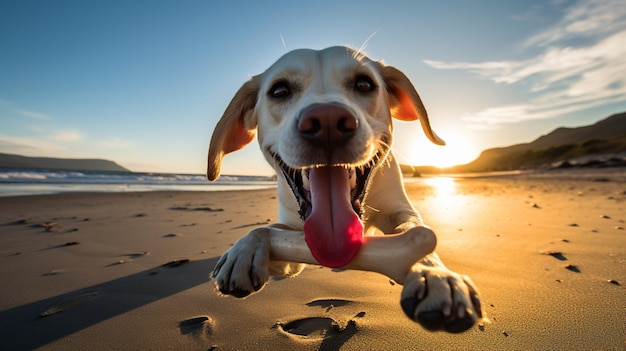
[{"x": 18, "y": 182}]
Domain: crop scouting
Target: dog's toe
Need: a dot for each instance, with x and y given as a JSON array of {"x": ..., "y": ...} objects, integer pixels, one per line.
[
  {"x": 240, "y": 293},
  {"x": 409, "y": 305},
  {"x": 436, "y": 320},
  {"x": 246, "y": 286},
  {"x": 456, "y": 324},
  {"x": 235, "y": 289},
  {"x": 439, "y": 299},
  {"x": 243, "y": 270},
  {"x": 431, "y": 320}
]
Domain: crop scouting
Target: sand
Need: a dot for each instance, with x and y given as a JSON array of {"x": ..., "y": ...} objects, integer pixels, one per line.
[{"x": 130, "y": 271}]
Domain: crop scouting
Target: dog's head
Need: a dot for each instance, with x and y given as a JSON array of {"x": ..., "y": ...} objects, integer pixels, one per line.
[{"x": 324, "y": 122}]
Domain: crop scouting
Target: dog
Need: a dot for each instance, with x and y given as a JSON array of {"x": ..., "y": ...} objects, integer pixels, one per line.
[{"x": 324, "y": 122}]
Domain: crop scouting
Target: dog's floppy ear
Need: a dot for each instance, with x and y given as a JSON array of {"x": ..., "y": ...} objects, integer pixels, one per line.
[
  {"x": 236, "y": 128},
  {"x": 405, "y": 103}
]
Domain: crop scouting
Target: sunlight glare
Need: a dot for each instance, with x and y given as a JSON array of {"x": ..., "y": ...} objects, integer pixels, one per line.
[
  {"x": 447, "y": 194},
  {"x": 416, "y": 150},
  {"x": 442, "y": 186}
]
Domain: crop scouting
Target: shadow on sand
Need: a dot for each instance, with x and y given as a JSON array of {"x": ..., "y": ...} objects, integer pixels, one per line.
[{"x": 39, "y": 323}]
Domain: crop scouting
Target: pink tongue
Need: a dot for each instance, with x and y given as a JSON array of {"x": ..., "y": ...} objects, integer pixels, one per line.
[{"x": 333, "y": 231}]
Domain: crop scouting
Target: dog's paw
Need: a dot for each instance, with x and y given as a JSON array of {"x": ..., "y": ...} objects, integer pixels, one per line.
[
  {"x": 244, "y": 269},
  {"x": 440, "y": 299}
]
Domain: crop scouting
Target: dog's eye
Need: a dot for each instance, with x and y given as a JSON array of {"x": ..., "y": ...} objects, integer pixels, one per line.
[
  {"x": 364, "y": 84},
  {"x": 280, "y": 90}
]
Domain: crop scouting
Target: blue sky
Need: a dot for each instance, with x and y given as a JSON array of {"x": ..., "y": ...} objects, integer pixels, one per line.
[{"x": 144, "y": 82}]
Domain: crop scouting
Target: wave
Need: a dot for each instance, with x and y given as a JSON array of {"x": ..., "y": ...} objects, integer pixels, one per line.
[
  {"x": 14, "y": 181},
  {"x": 60, "y": 176}
]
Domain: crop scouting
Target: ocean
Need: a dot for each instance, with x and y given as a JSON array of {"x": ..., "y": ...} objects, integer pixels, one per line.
[{"x": 19, "y": 182}]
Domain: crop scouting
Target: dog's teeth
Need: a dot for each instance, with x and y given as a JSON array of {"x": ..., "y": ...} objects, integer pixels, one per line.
[
  {"x": 305, "y": 181},
  {"x": 352, "y": 179}
]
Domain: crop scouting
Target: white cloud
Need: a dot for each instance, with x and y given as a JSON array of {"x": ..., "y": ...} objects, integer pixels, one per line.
[
  {"x": 66, "y": 136},
  {"x": 26, "y": 113},
  {"x": 563, "y": 78},
  {"x": 32, "y": 114},
  {"x": 586, "y": 19}
]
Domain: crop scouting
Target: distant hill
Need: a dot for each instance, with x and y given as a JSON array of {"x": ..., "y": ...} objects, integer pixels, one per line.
[
  {"x": 17, "y": 161},
  {"x": 605, "y": 137}
]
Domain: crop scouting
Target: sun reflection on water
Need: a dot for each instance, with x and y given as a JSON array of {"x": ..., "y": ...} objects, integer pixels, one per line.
[
  {"x": 442, "y": 186},
  {"x": 446, "y": 203}
]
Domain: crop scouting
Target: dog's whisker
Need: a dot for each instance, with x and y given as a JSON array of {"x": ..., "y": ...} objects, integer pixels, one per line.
[
  {"x": 364, "y": 45},
  {"x": 372, "y": 208},
  {"x": 282, "y": 40}
]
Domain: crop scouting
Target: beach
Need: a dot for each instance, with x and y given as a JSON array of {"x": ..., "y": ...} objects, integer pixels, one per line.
[{"x": 130, "y": 271}]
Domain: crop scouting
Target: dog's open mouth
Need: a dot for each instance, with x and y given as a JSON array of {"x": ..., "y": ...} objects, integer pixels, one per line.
[{"x": 330, "y": 199}]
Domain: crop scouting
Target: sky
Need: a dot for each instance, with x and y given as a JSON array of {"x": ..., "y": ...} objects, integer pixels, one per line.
[{"x": 143, "y": 83}]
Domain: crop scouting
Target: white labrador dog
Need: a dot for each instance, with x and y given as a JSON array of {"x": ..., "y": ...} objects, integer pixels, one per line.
[{"x": 323, "y": 120}]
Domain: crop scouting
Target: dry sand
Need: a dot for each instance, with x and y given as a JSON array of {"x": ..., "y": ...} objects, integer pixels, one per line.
[{"x": 130, "y": 271}]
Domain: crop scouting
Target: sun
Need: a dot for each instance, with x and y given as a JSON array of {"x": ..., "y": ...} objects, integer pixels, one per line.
[{"x": 415, "y": 149}]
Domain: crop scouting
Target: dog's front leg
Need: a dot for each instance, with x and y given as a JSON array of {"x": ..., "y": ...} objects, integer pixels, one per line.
[
  {"x": 433, "y": 295},
  {"x": 246, "y": 267}
]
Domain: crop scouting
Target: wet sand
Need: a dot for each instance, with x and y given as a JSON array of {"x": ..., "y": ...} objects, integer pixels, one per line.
[{"x": 130, "y": 271}]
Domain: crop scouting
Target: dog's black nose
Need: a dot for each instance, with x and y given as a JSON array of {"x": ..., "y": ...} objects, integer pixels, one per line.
[{"x": 327, "y": 124}]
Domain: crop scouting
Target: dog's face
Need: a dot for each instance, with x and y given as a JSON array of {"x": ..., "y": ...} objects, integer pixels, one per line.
[
  {"x": 324, "y": 121},
  {"x": 339, "y": 79}
]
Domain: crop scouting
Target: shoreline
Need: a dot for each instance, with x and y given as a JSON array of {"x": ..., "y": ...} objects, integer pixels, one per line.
[
  {"x": 33, "y": 189},
  {"x": 10, "y": 189},
  {"x": 105, "y": 271}
]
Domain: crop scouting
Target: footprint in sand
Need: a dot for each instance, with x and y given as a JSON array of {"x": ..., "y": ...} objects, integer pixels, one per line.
[
  {"x": 200, "y": 326},
  {"x": 328, "y": 304},
  {"x": 69, "y": 303},
  {"x": 322, "y": 328},
  {"x": 556, "y": 254},
  {"x": 318, "y": 328}
]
